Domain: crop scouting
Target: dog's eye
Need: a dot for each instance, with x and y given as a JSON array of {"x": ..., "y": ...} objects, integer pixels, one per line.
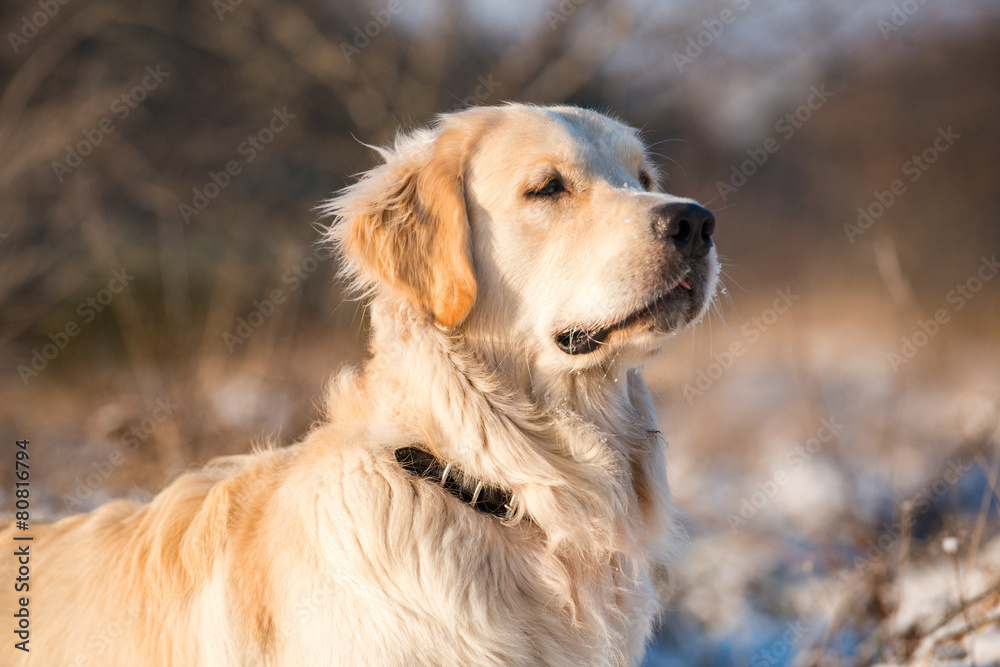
[
  {"x": 552, "y": 187},
  {"x": 645, "y": 180}
]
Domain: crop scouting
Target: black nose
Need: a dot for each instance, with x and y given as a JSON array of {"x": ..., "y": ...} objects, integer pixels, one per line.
[{"x": 687, "y": 226}]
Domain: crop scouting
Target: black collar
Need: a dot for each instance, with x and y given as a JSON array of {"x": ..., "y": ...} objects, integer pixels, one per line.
[{"x": 488, "y": 499}]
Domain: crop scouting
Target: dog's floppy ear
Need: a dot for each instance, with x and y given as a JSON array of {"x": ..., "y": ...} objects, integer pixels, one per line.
[{"x": 404, "y": 226}]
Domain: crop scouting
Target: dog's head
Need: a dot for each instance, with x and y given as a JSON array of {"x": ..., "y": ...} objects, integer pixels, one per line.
[{"x": 533, "y": 229}]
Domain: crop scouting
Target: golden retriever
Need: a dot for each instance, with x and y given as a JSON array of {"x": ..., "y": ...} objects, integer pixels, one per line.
[{"x": 488, "y": 489}]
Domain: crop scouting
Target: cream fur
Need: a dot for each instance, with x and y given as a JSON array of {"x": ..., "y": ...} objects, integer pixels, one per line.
[{"x": 327, "y": 552}]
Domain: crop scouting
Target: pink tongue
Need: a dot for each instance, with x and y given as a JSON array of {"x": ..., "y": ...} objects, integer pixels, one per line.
[{"x": 683, "y": 283}]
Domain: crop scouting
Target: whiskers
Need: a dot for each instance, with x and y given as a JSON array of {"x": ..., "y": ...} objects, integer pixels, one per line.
[{"x": 720, "y": 302}]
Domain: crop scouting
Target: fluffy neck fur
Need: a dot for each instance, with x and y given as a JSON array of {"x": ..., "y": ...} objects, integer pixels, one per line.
[{"x": 586, "y": 466}]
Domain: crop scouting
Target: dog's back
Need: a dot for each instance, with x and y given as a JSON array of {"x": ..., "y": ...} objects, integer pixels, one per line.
[{"x": 116, "y": 586}]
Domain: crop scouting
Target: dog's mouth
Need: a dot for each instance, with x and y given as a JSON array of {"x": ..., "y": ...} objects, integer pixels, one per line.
[{"x": 671, "y": 309}]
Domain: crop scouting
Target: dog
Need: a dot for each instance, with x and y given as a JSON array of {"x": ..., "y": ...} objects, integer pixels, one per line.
[{"x": 488, "y": 489}]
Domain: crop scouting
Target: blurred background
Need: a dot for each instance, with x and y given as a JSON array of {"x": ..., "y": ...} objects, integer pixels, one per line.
[{"x": 833, "y": 424}]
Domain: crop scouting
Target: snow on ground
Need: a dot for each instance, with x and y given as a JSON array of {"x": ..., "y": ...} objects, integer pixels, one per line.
[{"x": 840, "y": 512}]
